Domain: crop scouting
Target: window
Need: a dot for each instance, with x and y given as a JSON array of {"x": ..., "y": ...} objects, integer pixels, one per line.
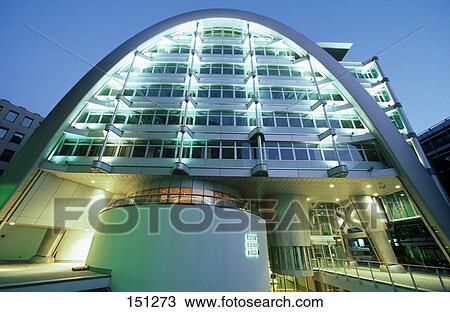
[
  {"x": 281, "y": 119},
  {"x": 300, "y": 151},
  {"x": 174, "y": 118},
  {"x": 218, "y": 91},
  {"x": 3, "y": 132},
  {"x": 154, "y": 149},
  {"x": 286, "y": 93},
  {"x": 222, "y": 69},
  {"x": 242, "y": 150},
  {"x": 133, "y": 118},
  {"x": 166, "y": 90},
  {"x": 214, "y": 118},
  {"x": 222, "y": 49},
  {"x": 314, "y": 152},
  {"x": 269, "y": 51},
  {"x": 344, "y": 153},
  {"x": 11, "y": 116},
  {"x": 166, "y": 68},
  {"x": 198, "y": 149},
  {"x": 26, "y": 122},
  {"x": 169, "y": 149},
  {"x": 371, "y": 152},
  {"x": 228, "y": 32},
  {"x": 328, "y": 153},
  {"x": 6, "y": 155},
  {"x": 160, "y": 117},
  {"x": 272, "y": 151},
  {"x": 356, "y": 152},
  {"x": 275, "y": 70},
  {"x": 268, "y": 120},
  {"x": 174, "y": 49},
  {"x": 227, "y": 119},
  {"x": 93, "y": 118},
  {"x": 140, "y": 148},
  {"x": 382, "y": 96},
  {"x": 227, "y": 150},
  {"x": 241, "y": 119},
  {"x": 213, "y": 151},
  {"x": 307, "y": 121},
  {"x": 294, "y": 120},
  {"x": 95, "y": 148},
  {"x": 399, "y": 205},
  {"x": 201, "y": 118},
  {"x": 17, "y": 138},
  {"x": 286, "y": 151}
]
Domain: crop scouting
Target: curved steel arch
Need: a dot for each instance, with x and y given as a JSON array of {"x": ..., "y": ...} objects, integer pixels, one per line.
[{"x": 414, "y": 176}]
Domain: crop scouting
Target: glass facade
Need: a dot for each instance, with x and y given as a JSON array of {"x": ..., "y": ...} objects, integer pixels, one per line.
[
  {"x": 182, "y": 53},
  {"x": 399, "y": 206}
]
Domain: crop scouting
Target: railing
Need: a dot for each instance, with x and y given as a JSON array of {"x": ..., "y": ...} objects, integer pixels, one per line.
[{"x": 413, "y": 277}]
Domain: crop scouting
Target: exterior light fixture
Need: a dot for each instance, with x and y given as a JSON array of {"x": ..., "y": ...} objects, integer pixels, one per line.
[
  {"x": 375, "y": 194},
  {"x": 12, "y": 223},
  {"x": 368, "y": 186},
  {"x": 397, "y": 186},
  {"x": 337, "y": 199},
  {"x": 308, "y": 199},
  {"x": 93, "y": 181},
  {"x": 331, "y": 185}
]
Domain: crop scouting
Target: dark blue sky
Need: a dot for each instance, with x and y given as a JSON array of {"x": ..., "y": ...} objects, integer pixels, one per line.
[{"x": 36, "y": 74}]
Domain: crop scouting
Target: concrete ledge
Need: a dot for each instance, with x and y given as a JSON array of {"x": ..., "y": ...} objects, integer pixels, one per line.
[
  {"x": 260, "y": 170},
  {"x": 338, "y": 172},
  {"x": 101, "y": 167},
  {"x": 180, "y": 168},
  {"x": 258, "y": 131}
]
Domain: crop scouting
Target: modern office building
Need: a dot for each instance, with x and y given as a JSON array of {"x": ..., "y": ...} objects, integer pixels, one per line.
[
  {"x": 16, "y": 126},
  {"x": 224, "y": 116}
]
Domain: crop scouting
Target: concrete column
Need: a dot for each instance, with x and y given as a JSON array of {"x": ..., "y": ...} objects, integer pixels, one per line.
[
  {"x": 373, "y": 222},
  {"x": 293, "y": 221}
]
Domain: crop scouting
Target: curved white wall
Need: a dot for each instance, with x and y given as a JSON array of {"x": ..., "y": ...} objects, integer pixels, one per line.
[{"x": 174, "y": 261}]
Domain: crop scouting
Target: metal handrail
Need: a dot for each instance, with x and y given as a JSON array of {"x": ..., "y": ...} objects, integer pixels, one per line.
[
  {"x": 319, "y": 263},
  {"x": 390, "y": 263}
]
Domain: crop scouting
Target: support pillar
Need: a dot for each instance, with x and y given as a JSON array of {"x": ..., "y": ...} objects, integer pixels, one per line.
[
  {"x": 372, "y": 220},
  {"x": 292, "y": 236}
]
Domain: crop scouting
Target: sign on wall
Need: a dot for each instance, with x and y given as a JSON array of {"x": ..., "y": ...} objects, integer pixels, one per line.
[{"x": 251, "y": 245}]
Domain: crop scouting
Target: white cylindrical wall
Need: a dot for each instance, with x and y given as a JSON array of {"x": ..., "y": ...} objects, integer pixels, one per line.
[{"x": 176, "y": 261}]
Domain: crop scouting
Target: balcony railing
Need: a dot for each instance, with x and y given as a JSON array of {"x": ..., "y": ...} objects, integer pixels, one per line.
[{"x": 414, "y": 277}]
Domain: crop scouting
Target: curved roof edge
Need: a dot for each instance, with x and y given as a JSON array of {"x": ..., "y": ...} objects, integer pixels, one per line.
[{"x": 413, "y": 175}]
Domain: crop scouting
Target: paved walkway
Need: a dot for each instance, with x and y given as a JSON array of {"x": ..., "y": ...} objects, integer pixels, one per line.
[
  {"x": 32, "y": 273},
  {"x": 423, "y": 281}
]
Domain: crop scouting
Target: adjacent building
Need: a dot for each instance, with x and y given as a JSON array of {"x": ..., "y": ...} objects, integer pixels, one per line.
[
  {"x": 436, "y": 144},
  {"x": 218, "y": 113},
  {"x": 16, "y": 126}
]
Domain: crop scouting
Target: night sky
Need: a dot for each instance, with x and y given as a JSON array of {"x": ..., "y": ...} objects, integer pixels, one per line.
[{"x": 36, "y": 73}]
